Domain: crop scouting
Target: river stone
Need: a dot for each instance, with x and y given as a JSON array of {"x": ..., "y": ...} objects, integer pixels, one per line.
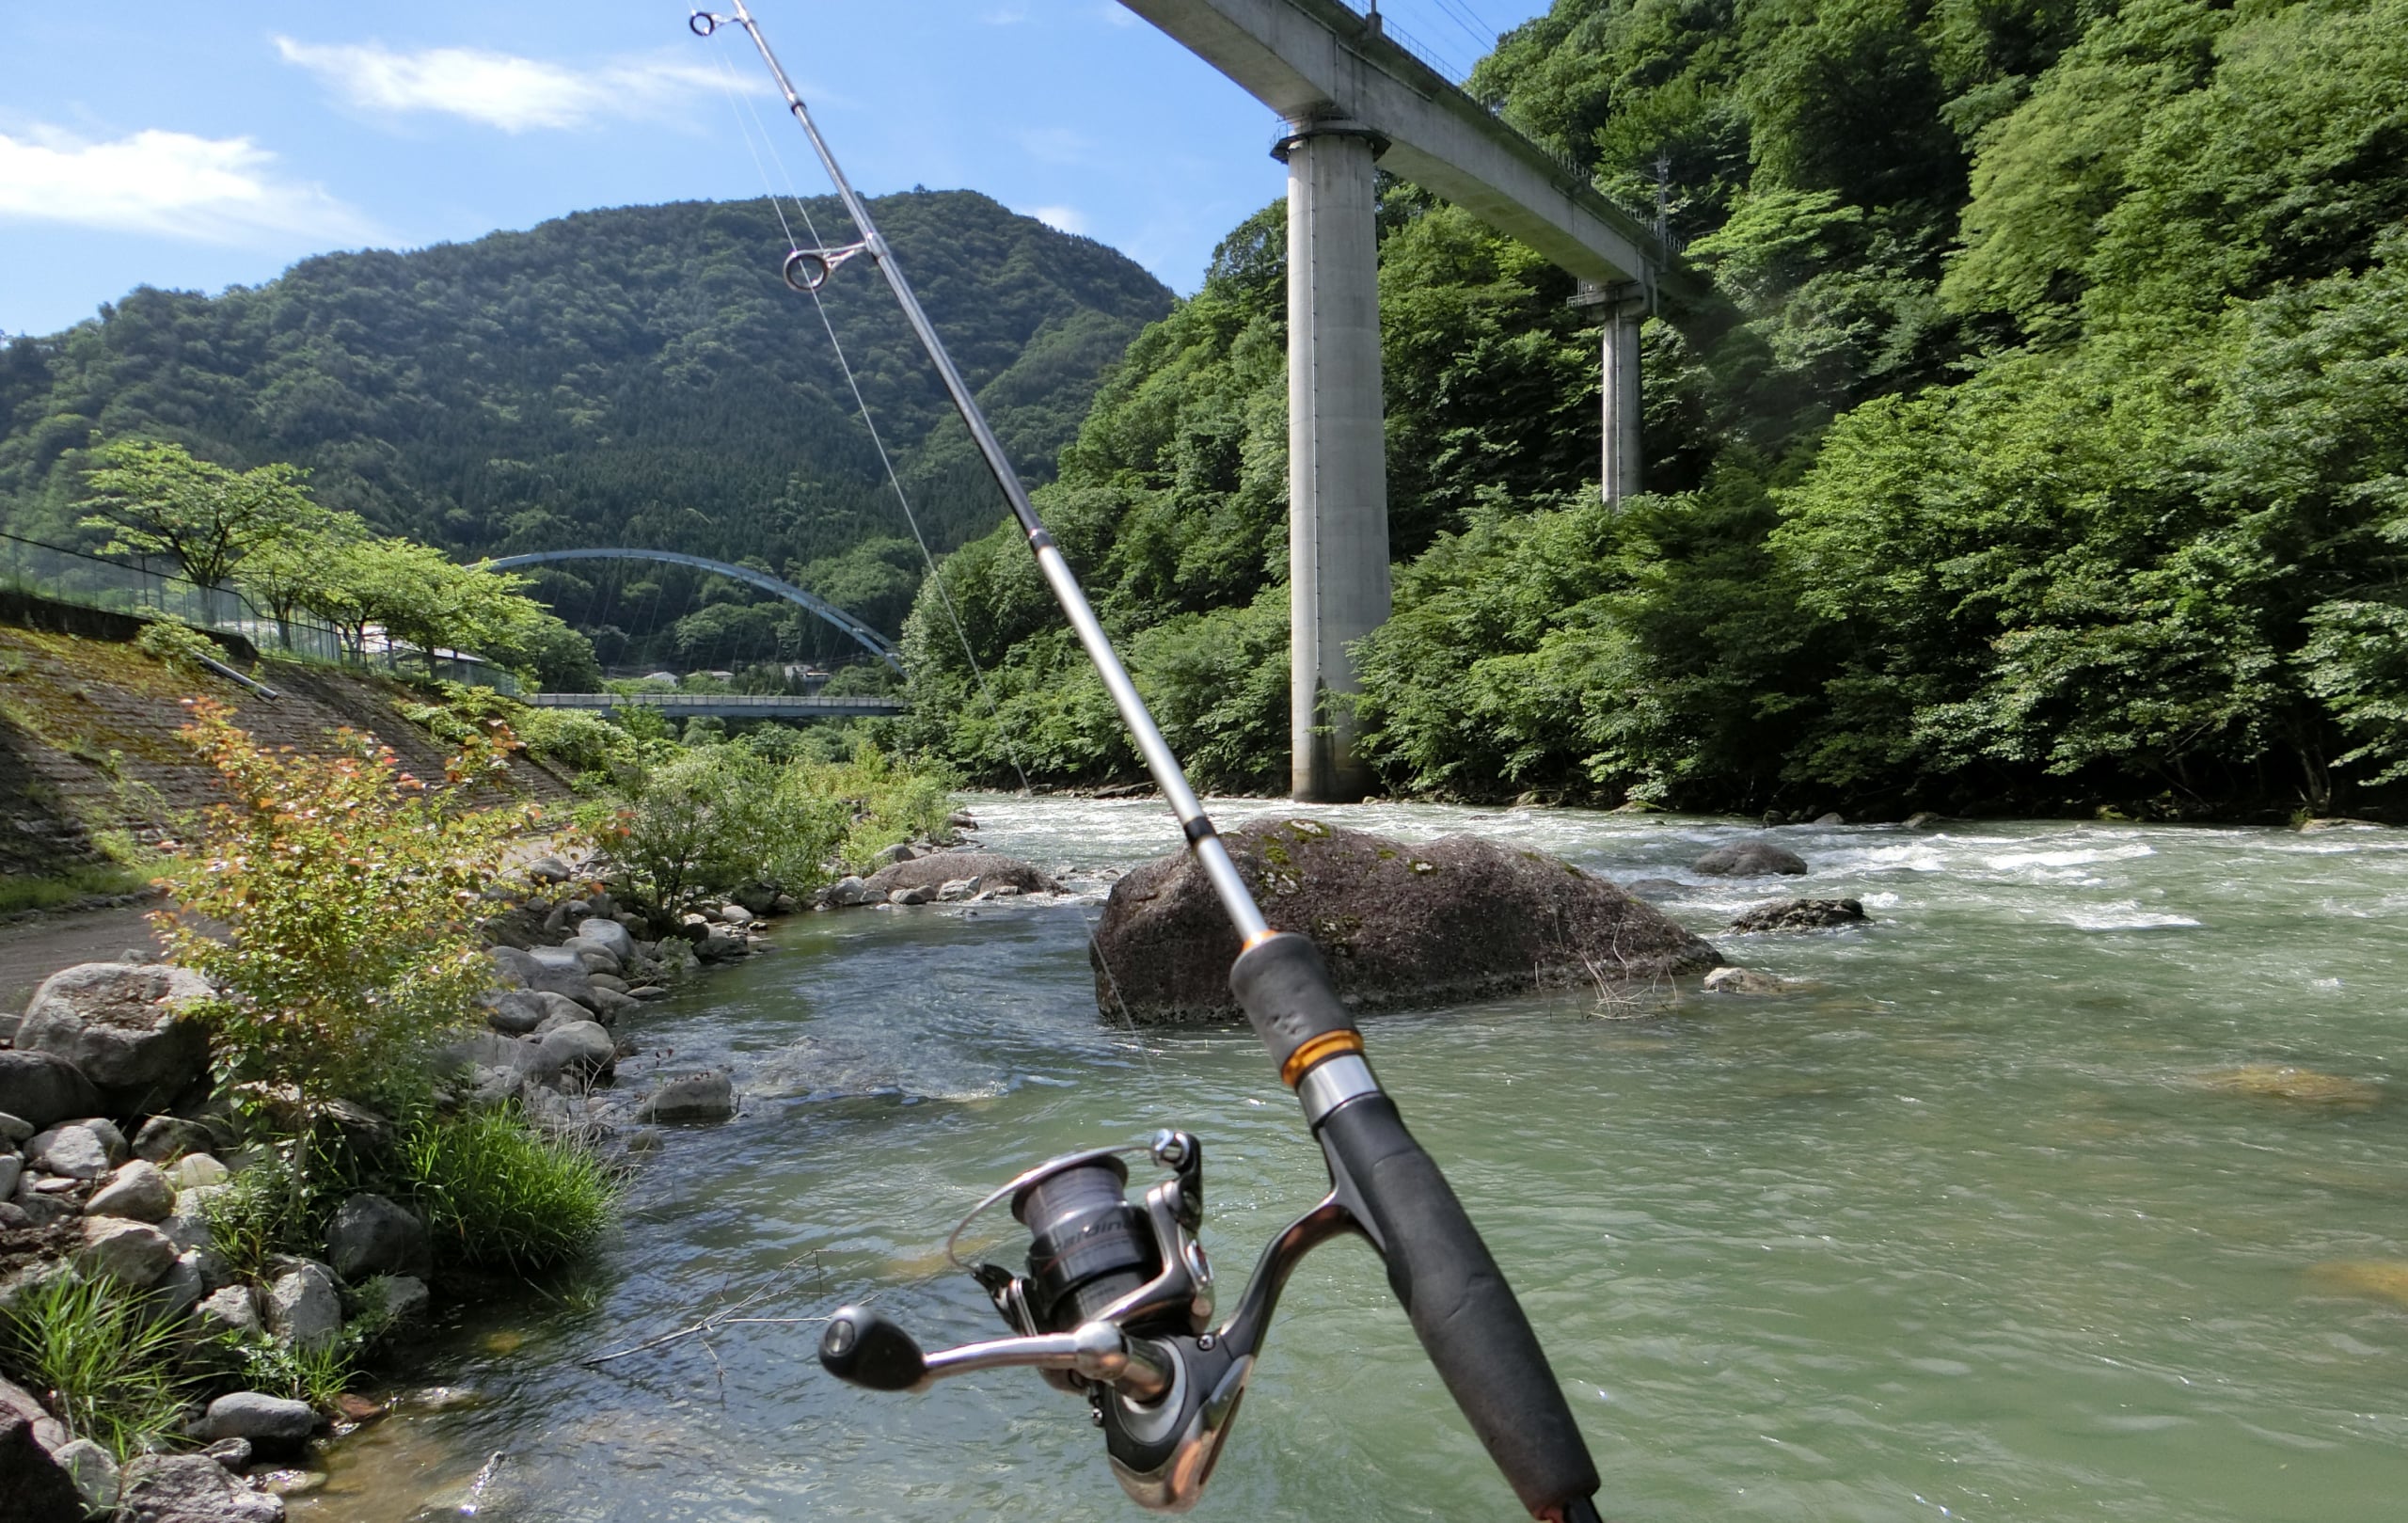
[
  {"x": 77, "y": 1150},
  {"x": 958, "y": 890},
  {"x": 845, "y": 893},
  {"x": 1801, "y": 914},
  {"x": 129, "y": 1028},
  {"x": 33, "y": 1488},
  {"x": 397, "y": 1299},
  {"x": 11, "y": 1167},
  {"x": 135, "y": 1254},
  {"x": 1923, "y": 819},
  {"x": 934, "y": 871},
  {"x": 198, "y": 1171},
  {"x": 139, "y": 1192},
  {"x": 610, "y": 936},
  {"x": 910, "y": 896},
  {"x": 182, "y": 1288},
  {"x": 89, "y": 1465},
  {"x": 609, "y": 1003},
  {"x": 515, "y": 1013},
  {"x": 262, "y": 1419},
  {"x": 1747, "y": 981},
  {"x": 691, "y": 1096},
  {"x": 190, "y": 1488},
  {"x": 163, "y": 1137},
  {"x": 43, "y": 1090},
  {"x": 1750, "y": 859},
  {"x": 581, "y": 1050},
  {"x": 518, "y": 969},
  {"x": 548, "y": 870},
  {"x": 230, "y": 1310},
  {"x": 304, "y": 1309},
  {"x": 15, "y": 1131},
  {"x": 719, "y": 946},
  {"x": 371, "y": 1235},
  {"x": 1398, "y": 925}
]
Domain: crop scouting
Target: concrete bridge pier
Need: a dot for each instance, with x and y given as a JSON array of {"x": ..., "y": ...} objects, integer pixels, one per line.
[
  {"x": 1338, "y": 500},
  {"x": 1625, "y": 308}
]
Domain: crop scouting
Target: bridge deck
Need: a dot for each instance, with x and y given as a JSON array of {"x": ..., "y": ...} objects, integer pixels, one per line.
[{"x": 721, "y": 705}]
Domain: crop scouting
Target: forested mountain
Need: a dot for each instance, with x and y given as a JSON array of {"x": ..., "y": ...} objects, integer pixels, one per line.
[
  {"x": 2047, "y": 454},
  {"x": 634, "y": 376}
]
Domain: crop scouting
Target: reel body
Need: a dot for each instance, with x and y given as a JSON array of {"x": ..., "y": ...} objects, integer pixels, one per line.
[{"x": 1114, "y": 1304}]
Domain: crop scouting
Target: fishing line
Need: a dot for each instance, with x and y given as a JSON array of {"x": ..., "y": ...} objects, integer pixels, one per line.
[{"x": 744, "y": 109}]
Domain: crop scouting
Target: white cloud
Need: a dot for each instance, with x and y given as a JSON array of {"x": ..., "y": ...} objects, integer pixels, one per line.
[
  {"x": 501, "y": 90},
  {"x": 220, "y": 190},
  {"x": 1062, "y": 218}
]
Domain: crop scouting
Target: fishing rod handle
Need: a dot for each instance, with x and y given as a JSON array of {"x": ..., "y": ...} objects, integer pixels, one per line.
[{"x": 1461, "y": 1307}]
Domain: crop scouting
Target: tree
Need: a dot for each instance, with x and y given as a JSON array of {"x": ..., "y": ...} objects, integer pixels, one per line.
[
  {"x": 285, "y": 574},
  {"x": 154, "y": 499}
]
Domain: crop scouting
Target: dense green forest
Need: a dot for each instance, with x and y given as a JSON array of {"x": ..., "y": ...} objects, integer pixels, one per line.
[
  {"x": 2050, "y": 451},
  {"x": 636, "y": 376}
]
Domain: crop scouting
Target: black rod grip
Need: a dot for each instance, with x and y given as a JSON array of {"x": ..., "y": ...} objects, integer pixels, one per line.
[
  {"x": 1283, "y": 986},
  {"x": 1463, "y": 1311}
]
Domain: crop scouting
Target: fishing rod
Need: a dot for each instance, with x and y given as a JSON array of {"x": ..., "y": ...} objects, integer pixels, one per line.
[{"x": 1116, "y": 1299}]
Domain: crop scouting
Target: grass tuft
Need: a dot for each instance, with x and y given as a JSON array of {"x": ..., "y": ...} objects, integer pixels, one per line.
[
  {"x": 499, "y": 1194},
  {"x": 110, "y": 1368},
  {"x": 70, "y": 887}
]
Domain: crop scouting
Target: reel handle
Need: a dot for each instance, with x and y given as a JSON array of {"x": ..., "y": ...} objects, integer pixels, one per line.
[{"x": 863, "y": 1348}]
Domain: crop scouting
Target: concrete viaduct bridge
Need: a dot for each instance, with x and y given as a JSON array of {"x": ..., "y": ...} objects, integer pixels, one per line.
[{"x": 1351, "y": 98}]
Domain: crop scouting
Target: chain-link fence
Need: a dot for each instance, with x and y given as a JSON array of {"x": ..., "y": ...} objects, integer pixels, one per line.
[{"x": 138, "y": 588}]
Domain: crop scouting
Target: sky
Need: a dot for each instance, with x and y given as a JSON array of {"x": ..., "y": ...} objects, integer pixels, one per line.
[{"x": 197, "y": 144}]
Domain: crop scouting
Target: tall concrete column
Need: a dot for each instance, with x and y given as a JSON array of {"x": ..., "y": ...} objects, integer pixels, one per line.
[
  {"x": 1625, "y": 308},
  {"x": 1338, "y": 492}
]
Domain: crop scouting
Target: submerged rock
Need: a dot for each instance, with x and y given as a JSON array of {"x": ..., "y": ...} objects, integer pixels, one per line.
[
  {"x": 2307, "y": 1086},
  {"x": 1747, "y": 981},
  {"x": 1801, "y": 914},
  {"x": 1750, "y": 859},
  {"x": 2385, "y": 1279},
  {"x": 1398, "y": 925}
]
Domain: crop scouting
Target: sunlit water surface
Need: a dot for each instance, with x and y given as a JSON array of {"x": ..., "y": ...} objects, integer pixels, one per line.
[{"x": 1979, "y": 1228}]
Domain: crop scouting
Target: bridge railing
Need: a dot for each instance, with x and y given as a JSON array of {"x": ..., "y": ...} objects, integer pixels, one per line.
[
  {"x": 1672, "y": 244},
  {"x": 136, "y": 587}
]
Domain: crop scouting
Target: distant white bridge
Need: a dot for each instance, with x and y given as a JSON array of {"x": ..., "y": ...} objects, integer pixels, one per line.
[{"x": 729, "y": 706}]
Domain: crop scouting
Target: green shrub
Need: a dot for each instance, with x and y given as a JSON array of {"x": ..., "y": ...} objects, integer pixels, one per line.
[
  {"x": 110, "y": 1368},
  {"x": 316, "y": 1374},
  {"x": 178, "y": 644},
  {"x": 499, "y": 1194},
  {"x": 333, "y": 901}
]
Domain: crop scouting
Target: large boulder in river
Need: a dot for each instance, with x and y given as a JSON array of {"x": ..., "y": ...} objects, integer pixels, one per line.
[
  {"x": 1750, "y": 859},
  {"x": 937, "y": 869},
  {"x": 1422, "y": 924},
  {"x": 132, "y": 1029}
]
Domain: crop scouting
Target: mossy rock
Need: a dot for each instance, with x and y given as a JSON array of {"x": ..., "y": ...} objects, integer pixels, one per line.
[{"x": 1400, "y": 926}]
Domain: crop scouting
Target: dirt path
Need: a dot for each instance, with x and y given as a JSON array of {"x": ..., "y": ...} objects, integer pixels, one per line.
[{"x": 32, "y": 950}]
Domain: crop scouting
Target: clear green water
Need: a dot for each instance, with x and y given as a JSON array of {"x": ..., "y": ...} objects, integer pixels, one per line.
[{"x": 1970, "y": 1231}]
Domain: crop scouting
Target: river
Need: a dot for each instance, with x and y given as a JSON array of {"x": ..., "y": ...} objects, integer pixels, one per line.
[{"x": 1979, "y": 1228}]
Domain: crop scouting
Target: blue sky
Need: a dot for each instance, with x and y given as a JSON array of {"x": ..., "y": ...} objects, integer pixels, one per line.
[{"x": 199, "y": 145}]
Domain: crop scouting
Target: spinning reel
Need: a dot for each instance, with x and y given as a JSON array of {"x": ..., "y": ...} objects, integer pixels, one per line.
[{"x": 1116, "y": 1305}]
